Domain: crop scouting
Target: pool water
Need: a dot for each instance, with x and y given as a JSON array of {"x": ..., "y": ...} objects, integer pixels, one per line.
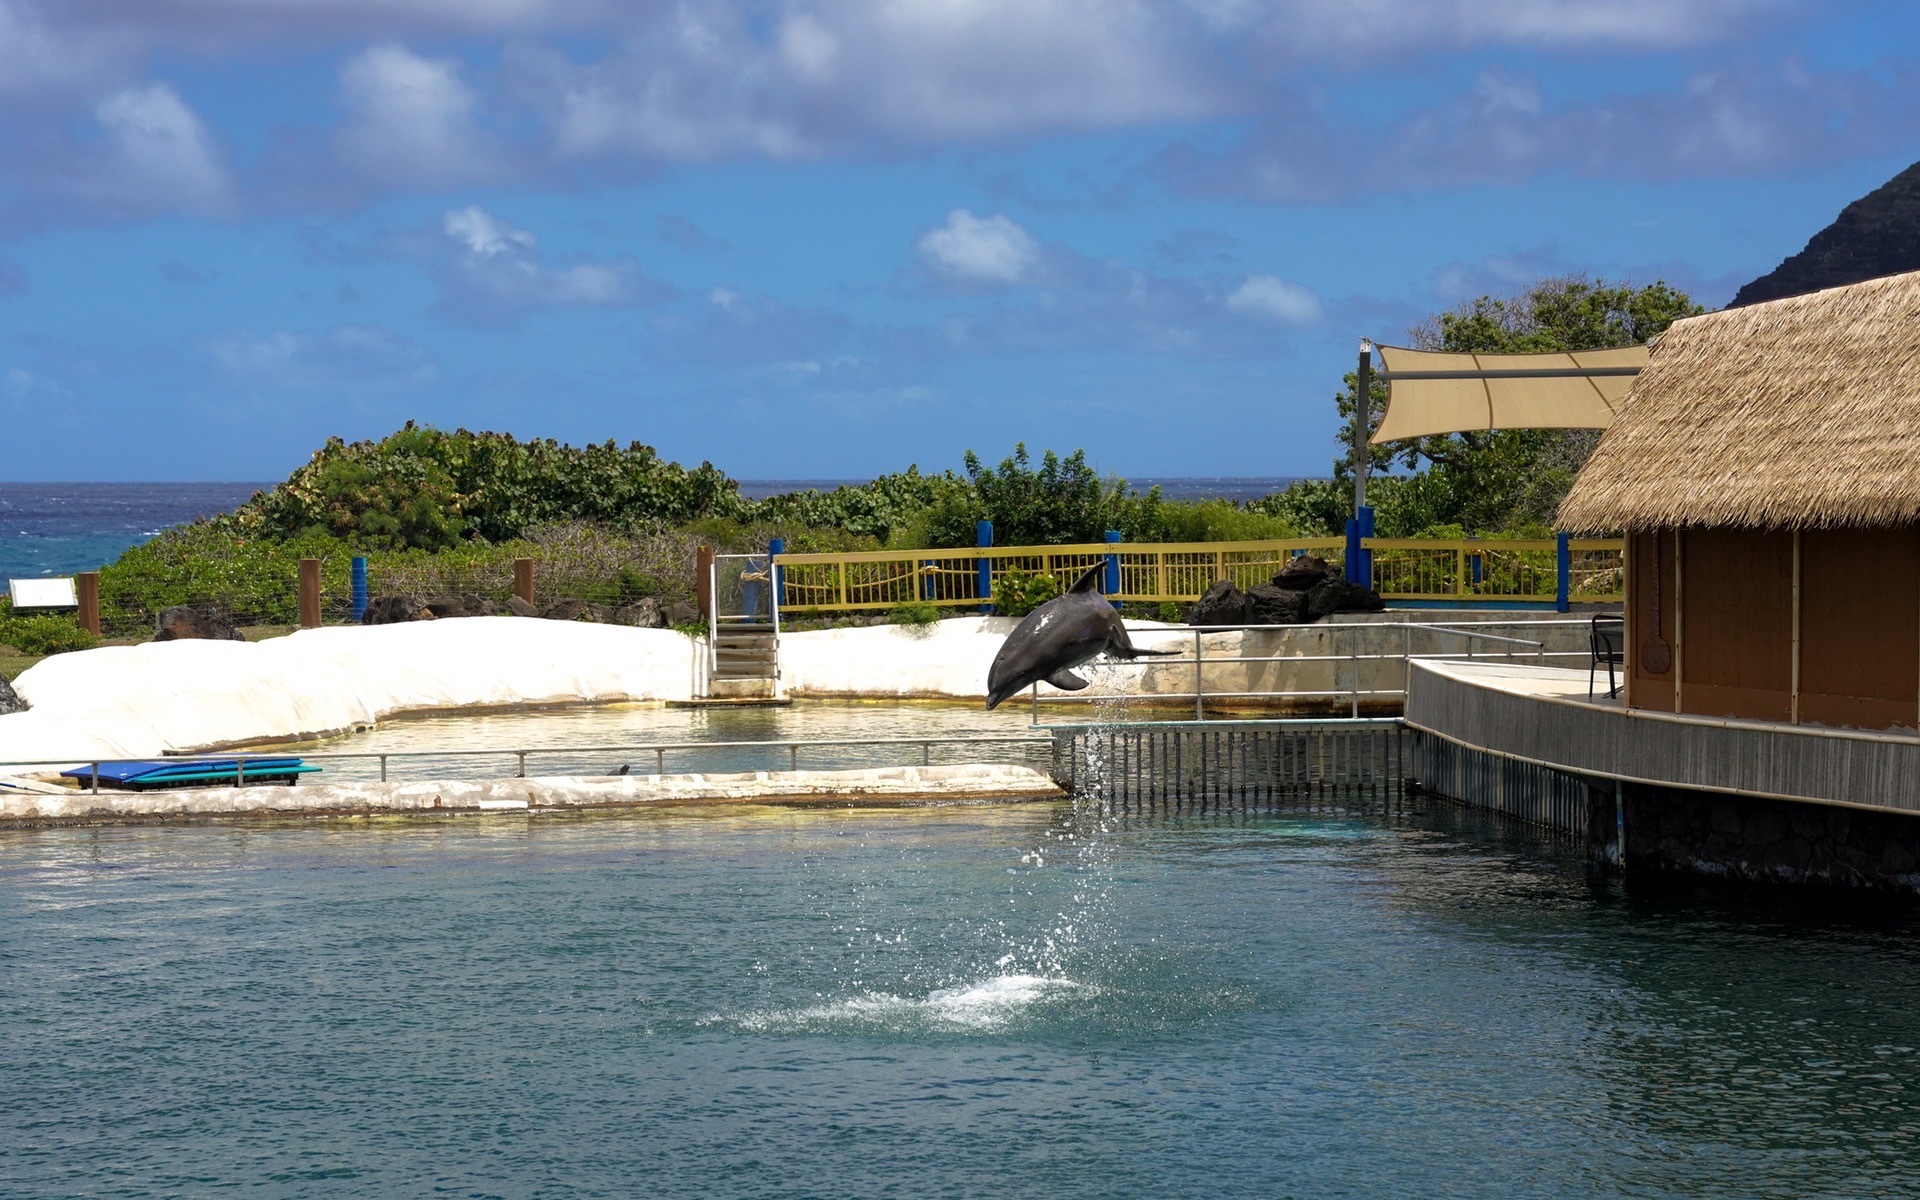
[
  {"x": 634, "y": 725},
  {"x": 1005, "y": 1001}
]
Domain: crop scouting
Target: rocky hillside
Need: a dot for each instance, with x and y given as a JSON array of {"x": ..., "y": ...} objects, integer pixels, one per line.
[{"x": 1878, "y": 234}]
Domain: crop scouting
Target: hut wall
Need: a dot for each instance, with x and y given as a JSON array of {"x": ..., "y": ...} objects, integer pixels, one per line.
[
  {"x": 1736, "y": 633},
  {"x": 1860, "y": 627},
  {"x": 1650, "y": 576}
]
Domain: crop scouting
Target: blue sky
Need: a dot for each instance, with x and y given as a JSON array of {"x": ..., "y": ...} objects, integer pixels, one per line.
[{"x": 819, "y": 238}]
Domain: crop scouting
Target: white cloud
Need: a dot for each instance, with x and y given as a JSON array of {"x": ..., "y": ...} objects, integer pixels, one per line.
[
  {"x": 991, "y": 250},
  {"x": 484, "y": 234},
  {"x": 490, "y": 273},
  {"x": 360, "y": 358},
  {"x": 161, "y": 153},
  {"x": 35, "y": 54},
  {"x": 1274, "y": 299},
  {"x": 414, "y": 119}
]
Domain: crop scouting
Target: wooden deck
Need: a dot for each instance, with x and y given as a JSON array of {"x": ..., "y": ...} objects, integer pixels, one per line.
[{"x": 1544, "y": 716}]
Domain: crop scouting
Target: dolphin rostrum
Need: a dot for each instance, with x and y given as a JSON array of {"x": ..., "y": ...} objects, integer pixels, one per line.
[{"x": 1058, "y": 636}]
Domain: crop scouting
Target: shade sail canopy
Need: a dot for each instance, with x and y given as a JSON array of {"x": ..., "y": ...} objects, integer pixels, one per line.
[{"x": 1528, "y": 399}]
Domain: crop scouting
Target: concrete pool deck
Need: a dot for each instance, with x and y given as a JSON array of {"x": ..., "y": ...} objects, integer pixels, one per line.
[{"x": 891, "y": 787}]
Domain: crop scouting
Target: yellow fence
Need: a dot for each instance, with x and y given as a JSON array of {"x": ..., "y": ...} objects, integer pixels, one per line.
[
  {"x": 1403, "y": 569},
  {"x": 1470, "y": 568}
]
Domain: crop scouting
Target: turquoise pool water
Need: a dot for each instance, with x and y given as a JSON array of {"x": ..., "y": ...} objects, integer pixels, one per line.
[
  {"x": 1003, "y": 1001},
  {"x": 425, "y": 741}
]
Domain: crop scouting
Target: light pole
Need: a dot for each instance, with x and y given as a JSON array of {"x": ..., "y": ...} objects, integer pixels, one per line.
[{"x": 1362, "y": 418}]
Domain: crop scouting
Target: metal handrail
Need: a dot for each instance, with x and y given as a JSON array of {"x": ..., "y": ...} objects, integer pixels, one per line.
[
  {"x": 1352, "y": 693},
  {"x": 660, "y": 750}
]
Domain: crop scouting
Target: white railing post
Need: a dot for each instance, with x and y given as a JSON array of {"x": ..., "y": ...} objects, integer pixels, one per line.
[
  {"x": 1199, "y": 683},
  {"x": 1353, "y": 650}
]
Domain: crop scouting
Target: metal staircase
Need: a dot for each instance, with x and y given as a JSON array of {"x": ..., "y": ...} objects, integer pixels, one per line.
[{"x": 743, "y": 630}]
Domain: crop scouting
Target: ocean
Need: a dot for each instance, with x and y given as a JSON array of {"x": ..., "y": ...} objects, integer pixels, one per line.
[{"x": 60, "y": 528}]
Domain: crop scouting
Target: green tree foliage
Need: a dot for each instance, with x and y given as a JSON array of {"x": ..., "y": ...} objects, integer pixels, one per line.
[
  {"x": 1017, "y": 593},
  {"x": 428, "y": 489},
  {"x": 1062, "y": 502},
  {"x": 1508, "y": 480},
  {"x": 885, "y": 509}
]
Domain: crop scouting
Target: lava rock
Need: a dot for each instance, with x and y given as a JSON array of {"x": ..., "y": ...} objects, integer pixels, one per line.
[
  {"x": 395, "y": 610},
  {"x": 520, "y": 608},
  {"x": 1270, "y": 604},
  {"x": 1339, "y": 595},
  {"x": 1223, "y": 604},
  {"x": 679, "y": 613},
  {"x": 1305, "y": 572},
  {"x": 641, "y": 614},
  {"x": 447, "y": 606},
  {"x": 578, "y": 610},
  {"x": 10, "y": 701},
  {"x": 182, "y": 622}
]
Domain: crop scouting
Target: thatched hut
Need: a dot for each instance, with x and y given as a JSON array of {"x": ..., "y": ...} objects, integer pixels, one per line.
[{"x": 1766, "y": 469}]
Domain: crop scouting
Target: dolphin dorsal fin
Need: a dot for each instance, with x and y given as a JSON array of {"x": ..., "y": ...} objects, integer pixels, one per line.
[{"x": 1089, "y": 582}]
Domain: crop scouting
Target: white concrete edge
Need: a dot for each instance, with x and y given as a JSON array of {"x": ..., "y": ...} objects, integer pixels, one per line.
[{"x": 972, "y": 783}]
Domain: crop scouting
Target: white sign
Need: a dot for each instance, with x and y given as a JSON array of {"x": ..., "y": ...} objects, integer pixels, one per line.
[{"x": 43, "y": 593}]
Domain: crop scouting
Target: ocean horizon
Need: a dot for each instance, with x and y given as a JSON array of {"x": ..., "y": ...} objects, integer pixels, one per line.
[{"x": 60, "y": 528}]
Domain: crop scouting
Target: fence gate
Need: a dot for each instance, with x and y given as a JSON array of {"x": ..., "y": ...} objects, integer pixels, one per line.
[{"x": 743, "y": 630}]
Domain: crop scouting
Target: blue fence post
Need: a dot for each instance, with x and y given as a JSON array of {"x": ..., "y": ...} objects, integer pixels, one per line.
[
  {"x": 1473, "y": 561},
  {"x": 1112, "y": 580},
  {"x": 1351, "y": 565},
  {"x": 359, "y": 588},
  {"x": 1563, "y": 563},
  {"x": 983, "y": 538},
  {"x": 1365, "y": 519}
]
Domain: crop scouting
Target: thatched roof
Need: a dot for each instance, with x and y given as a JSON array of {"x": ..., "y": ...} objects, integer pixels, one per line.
[{"x": 1797, "y": 413}]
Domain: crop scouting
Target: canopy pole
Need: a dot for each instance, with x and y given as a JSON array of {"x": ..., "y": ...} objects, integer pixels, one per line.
[{"x": 1362, "y": 417}]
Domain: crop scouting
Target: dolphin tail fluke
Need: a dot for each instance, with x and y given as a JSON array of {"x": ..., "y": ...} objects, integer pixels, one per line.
[
  {"x": 1066, "y": 680},
  {"x": 1138, "y": 652}
]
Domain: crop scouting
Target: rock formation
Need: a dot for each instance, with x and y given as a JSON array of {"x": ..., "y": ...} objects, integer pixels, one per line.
[
  {"x": 1223, "y": 604},
  {"x": 10, "y": 701},
  {"x": 1876, "y": 235},
  {"x": 395, "y": 610},
  {"x": 1305, "y": 590},
  {"x": 183, "y": 621}
]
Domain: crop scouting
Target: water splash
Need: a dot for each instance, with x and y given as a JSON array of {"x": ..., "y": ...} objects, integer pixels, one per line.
[{"x": 987, "y": 1004}]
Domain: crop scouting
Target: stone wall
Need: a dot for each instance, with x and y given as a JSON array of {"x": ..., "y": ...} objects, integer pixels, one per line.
[
  {"x": 1682, "y": 833},
  {"x": 1770, "y": 841}
]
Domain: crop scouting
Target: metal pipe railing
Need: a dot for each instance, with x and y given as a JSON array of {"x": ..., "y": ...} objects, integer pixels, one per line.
[
  {"x": 659, "y": 750},
  {"x": 1353, "y": 693}
]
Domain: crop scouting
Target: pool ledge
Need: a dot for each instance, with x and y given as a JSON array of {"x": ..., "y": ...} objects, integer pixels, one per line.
[
  {"x": 974, "y": 783},
  {"x": 1545, "y": 717}
]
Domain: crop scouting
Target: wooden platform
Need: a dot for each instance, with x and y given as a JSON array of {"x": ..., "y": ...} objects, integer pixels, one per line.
[{"x": 1544, "y": 716}]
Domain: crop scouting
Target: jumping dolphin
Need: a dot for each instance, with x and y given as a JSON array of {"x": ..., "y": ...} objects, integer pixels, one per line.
[{"x": 1057, "y": 637}]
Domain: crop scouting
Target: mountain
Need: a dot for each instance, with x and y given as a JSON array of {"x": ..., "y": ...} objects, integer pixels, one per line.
[{"x": 1878, "y": 234}]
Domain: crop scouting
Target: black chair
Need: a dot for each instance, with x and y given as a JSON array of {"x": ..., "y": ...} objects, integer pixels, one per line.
[{"x": 1607, "y": 639}]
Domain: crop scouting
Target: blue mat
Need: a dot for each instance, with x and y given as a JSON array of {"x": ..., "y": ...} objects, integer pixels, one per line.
[{"x": 142, "y": 775}]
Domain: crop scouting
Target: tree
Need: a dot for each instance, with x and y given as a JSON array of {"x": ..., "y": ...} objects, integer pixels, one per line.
[{"x": 1507, "y": 480}]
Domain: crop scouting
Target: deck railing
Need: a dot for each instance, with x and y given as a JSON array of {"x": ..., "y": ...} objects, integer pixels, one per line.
[{"x": 1404, "y": 569}]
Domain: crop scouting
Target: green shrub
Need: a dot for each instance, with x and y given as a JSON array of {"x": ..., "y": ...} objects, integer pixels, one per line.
[
  {"x": 1017, "y": 593},
  {"x": 46, "y": 634},
  {"x": 1223, "y": 521},
  {"x": 913, "y": 612},
  {"x": 425, "y": 488}
]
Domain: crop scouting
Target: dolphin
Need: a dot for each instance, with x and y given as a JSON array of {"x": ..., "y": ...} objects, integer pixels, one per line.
[{"x": 1058, "y": 636}]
